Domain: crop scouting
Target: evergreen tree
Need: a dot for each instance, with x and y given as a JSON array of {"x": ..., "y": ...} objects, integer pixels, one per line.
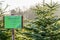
[
  {"x": 45, "y": 26},
  {"x": 4, "y": 33}
]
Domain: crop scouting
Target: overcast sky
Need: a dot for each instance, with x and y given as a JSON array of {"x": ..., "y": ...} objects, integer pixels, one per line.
[{"x": 23, "y": 4}]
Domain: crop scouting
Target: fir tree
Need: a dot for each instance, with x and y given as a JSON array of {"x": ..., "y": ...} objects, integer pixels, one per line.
[{"x": 44, "y": 26}]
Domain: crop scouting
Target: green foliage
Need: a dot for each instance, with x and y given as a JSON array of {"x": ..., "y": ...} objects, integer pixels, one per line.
[
  {"x": 5, "y": 34},
  {"x": 45, "y": 26}
]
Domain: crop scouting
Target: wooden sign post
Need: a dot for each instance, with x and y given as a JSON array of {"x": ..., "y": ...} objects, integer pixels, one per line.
[{"x": 13, "y": 22}]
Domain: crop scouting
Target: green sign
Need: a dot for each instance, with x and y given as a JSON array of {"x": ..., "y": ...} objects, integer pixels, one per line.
[{"x": 13, "y": 21}]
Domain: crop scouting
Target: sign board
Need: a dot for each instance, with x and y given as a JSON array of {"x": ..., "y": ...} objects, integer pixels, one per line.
[{"x": 13, "y": 21}]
